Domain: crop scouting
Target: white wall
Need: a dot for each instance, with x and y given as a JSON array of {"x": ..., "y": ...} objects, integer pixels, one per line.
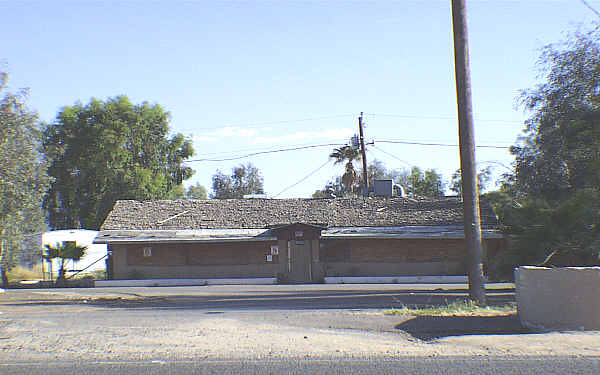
[
  {"x": 559, "y": 298},
  {"x": 82, "y": 237}
]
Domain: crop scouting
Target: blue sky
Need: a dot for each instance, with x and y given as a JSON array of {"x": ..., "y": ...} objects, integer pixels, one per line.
[{"x": 241, "y": 77}]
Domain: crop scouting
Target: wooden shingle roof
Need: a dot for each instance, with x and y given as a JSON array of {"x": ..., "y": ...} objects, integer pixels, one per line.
[{"x": 264, "y": 213}]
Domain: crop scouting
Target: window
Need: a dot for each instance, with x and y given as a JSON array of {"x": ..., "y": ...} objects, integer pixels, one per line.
[{"x": 147, "y": 251}]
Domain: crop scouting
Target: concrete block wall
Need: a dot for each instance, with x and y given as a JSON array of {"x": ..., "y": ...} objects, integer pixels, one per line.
[{"x": 558, "y": 298}]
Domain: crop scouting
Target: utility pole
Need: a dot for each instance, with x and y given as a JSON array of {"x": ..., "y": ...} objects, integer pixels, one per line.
[
  {"x": 364, "y": 155},
  {"x": 472, "y": 219}
]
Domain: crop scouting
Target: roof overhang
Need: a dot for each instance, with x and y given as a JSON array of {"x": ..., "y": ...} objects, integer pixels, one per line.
[
  {"x": 183, "y": 236},
  {"x": 415, "y": 232},
  {"x": 251, "y": 235}
]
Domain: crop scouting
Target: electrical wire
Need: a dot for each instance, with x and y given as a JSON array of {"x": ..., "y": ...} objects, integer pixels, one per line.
[
  {"x": 304, "y": 178},
  {"x": 259, "y": 124},
  {"x": 440, "y": 118},
  {"x": 394, "y": 156},
  {"x": 591, "y": 8},
  {"x": 267, "y": 152},
  {"x": 254, "y": 125},
  {"x": 438, "y": 144},
  {"x": 234, "y": 152}
]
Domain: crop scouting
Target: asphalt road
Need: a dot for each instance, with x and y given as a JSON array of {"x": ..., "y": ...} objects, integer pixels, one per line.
[
  {"x": 277, "y": 329},
  {"x": 432, "y": 366},
  {"x": 282, "y": 297}
]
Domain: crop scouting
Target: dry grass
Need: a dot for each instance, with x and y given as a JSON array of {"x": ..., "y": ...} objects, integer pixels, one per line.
[
  {"x": 460, "y": 308},
  {"x": 92, "y": 275},
  {"x": 19, "y": 273}
]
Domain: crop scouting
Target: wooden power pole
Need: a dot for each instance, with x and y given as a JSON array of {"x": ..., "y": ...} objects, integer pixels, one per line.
[
  {"x": 364, "y": 155},
  {"x": 472, "y": 219}
]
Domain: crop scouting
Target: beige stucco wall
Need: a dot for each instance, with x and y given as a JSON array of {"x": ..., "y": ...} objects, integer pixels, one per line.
[{"x": 559, "y": 298}]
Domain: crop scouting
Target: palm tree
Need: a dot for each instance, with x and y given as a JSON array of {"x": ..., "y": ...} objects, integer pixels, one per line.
[
  {"x": 344, "y": 153},
  {"x": 349, "y": 154},
  {"x": 68, "y": 250}
]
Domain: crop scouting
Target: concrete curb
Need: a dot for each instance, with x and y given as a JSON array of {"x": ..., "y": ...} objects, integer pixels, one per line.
[
  {"x": 397, "y": 280},
  {"x": 186, "y": 282}
]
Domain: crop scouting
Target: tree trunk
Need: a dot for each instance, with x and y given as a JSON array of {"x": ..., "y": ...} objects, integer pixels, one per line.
[
  {"x": 3, "y": 269},
  {"x": 61, "y": 280},
  {"x": 4, "y": 277}
]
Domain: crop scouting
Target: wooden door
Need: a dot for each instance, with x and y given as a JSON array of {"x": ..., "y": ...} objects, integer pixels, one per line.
[{"x": 299, "y": 256}]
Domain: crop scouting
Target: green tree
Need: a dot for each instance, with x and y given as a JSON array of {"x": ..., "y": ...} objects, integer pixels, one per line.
[
  {"x": 426, "y": 183},
  {"x": 192, "y": 192},
  {"x": 376, "y": 170},
  {"x": 416, "y": 182},
  {"x": 244, "y": 180},
  {"x": 110, "y": 150},
  {"x": 23, "y": 178},
  {"x": 550, "y": 204},
  {"x": 483, "y": 178},
  {"x": 333, "y": 188},
  {"x": 196, "y": 192},
  {"x": 560, "y": 153},
  {"x": 67, "y": 250},
  {"x": 347, "y": 154}
]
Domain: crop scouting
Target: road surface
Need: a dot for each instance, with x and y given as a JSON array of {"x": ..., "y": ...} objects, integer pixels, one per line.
[{"x": 272, "y": 329}]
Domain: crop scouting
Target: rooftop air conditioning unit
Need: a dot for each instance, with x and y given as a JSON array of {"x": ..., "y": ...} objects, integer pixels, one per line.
[{"x": 383, "y": 188}]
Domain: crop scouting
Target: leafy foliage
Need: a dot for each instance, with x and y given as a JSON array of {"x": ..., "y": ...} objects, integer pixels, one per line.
[
  {"x": 567, "y": 234},
  {"x": 244, "y": 179},
  {"x": 23, "y": 178},
  {"x": 192, "y": 192},
  {"x": 550, "y": 205},
  {"x": 196, "y": 192},
  {"x": 426, "y": 183},
  {"x": 110, "y": 150},
  {"x": 64, "y": 251},
  {"x": 350, "y": 178},
  {"x": 416, "y": 182},
  {"x": 560, "y": 153},
  {"x": 332, "y": 188},
  {"x": 346, "y": 154},
  {"x": 376, "y": 170},
  {"x": 483, "y": 178}
]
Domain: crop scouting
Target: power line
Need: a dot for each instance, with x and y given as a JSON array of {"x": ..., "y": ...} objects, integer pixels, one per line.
[
  {"x": 304, "y": 178},
  {"x": 438, "y": 144},
  {"x": 259, "y": 124},
  {"x": 392, "y": 155},
  {"x": 591, "y": 8},
  {"x": 252, "y": 125},
  {"x": 267, "y": 152},
  {"x": 234, "y": 152},
  {"x": 439, "y": 118}
]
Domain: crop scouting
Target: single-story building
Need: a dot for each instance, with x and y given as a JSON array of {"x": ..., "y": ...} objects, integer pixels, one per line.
[{"x": 293, "y": 240}]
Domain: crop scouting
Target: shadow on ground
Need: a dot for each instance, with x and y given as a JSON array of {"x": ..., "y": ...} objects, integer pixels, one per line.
[{"x": 434, "y": 327}]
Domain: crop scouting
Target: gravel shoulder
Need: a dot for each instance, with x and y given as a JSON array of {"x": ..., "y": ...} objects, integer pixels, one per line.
[{"x": 38, "y": 326}]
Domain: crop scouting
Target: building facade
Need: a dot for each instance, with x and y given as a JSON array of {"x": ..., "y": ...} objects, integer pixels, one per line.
[{"x": 292, "y": 240}]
